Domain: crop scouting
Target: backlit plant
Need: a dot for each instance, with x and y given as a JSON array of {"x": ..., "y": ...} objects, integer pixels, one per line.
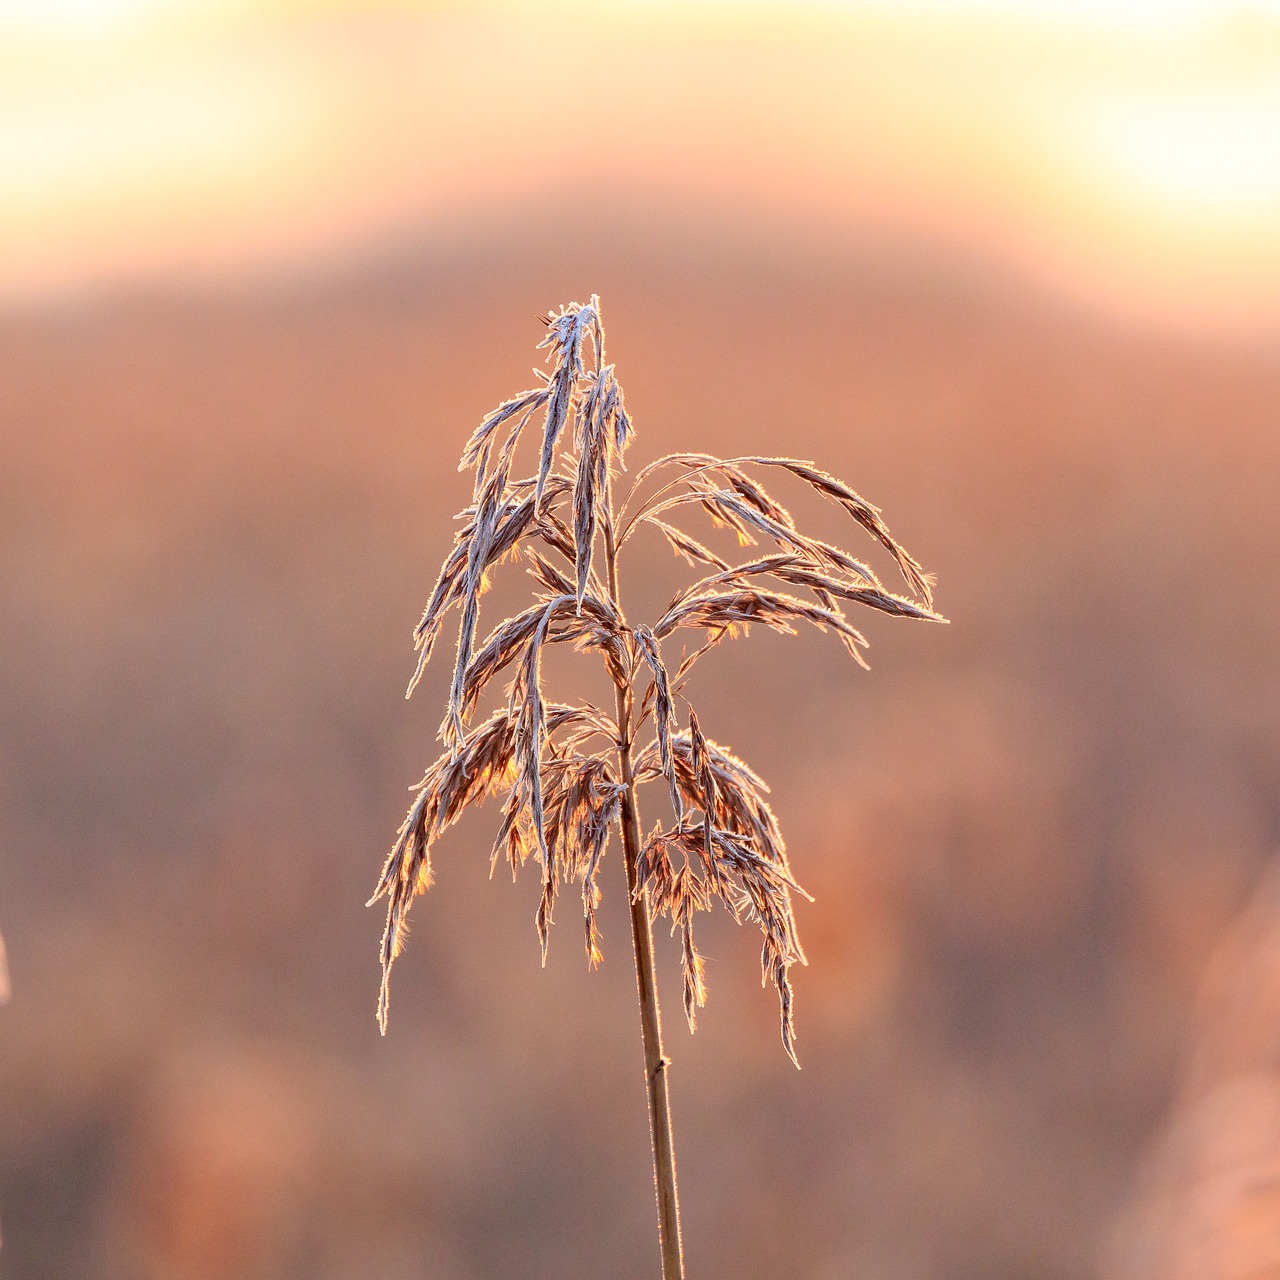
[{"x": 569, "y": 773}]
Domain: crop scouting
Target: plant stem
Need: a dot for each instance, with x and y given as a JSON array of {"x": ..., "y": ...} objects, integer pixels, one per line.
[{"x": 656, "y": 1063}]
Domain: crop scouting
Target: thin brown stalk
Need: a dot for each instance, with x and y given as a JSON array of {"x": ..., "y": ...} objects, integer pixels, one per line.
[{"x": 656, "y": 1062}]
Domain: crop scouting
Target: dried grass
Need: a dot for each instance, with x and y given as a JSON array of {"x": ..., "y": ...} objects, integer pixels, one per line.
[{"x": 570, "y": 773}]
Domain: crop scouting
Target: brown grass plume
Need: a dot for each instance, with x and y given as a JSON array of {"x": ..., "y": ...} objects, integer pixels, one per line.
[{"x": 569, "y": 774}]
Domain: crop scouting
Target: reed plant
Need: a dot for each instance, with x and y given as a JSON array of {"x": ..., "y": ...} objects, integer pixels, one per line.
[{"x": 569, "y": 773}]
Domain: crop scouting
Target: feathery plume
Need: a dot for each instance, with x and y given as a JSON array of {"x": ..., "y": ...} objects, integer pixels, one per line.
[{"x": 569, "y": 774}]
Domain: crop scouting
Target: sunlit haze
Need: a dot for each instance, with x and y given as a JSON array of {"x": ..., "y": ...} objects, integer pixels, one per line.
[{"x": 1127, "y": 152}]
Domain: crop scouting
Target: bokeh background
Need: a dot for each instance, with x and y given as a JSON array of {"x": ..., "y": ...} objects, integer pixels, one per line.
[{"x": 1011, "y": 269}]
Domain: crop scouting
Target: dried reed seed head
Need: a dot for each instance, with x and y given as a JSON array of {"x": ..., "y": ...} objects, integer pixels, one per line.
[{"x": 562, "y": 795}]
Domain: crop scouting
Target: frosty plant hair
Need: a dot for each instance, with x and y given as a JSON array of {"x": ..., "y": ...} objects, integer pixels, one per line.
[{"x": 569, "y": 773}]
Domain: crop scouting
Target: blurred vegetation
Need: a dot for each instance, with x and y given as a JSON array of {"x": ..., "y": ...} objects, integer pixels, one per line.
[{"x": 219, "y": 516}]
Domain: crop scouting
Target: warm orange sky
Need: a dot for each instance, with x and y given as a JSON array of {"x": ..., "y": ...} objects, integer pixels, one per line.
[{"x": 1127, "y": 151}]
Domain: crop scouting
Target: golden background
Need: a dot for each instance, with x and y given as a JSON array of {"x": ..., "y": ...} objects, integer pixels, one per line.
[{"x": 1011, "y": 270}]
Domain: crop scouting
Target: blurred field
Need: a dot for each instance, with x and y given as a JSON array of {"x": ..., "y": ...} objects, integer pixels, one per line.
[{"x": 221, "y": 512}]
